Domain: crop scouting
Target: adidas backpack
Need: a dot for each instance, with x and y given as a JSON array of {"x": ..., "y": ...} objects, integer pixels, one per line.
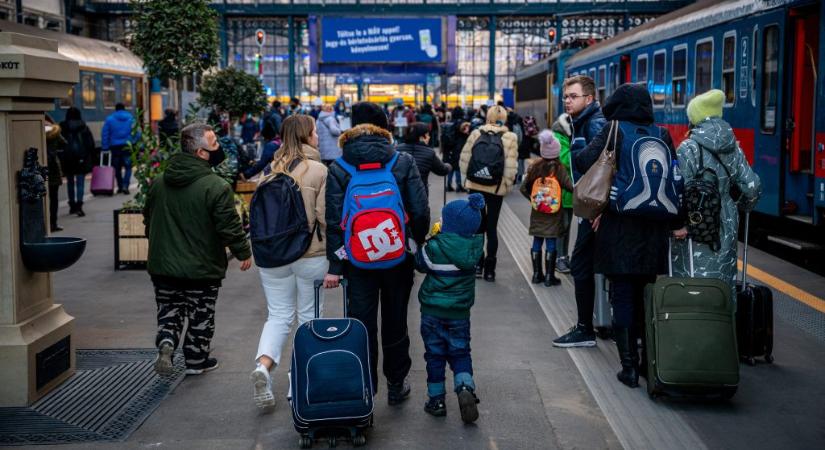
[
  {"x": 545, "y": 197},
  {"x": 647, "y": 181},
  {"x": 703, "y": 205},
  {"x": 486, "y": 166},
  {"x": 278, "y": 226},
  {"x": 373, "y": 217}
]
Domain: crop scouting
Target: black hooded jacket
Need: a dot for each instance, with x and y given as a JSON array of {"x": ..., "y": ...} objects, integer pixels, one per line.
[
  {"x": 627, "y": 245},
  {"x": 426, "y": 161},
  {"x": 368, "y": 143}
]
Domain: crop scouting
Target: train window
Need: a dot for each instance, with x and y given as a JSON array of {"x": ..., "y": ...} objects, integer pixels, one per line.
[
  {"x": 729, "y": 68},
  {"x": 641, "y": 69},
  {"x": 770, "y": 77},
  {"x": 602, "y": 84},
  {"x": 614, "y": 78},
  {"x": 109, "y": 92},
  {"x": 679, "y": 76},
  {"x": 592, "y": 74},
  {"x": 704, "y": 66},
  {"x": 89, "y": 91},
  {"x": 753, "y": 66},
  {"x": 68, "y": 101},
  {"x": 127, "y": 92},
  {"x": 659, "y": 78}
]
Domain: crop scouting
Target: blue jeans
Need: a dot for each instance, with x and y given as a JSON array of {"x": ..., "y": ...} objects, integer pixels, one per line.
[
  {"x": 455, "y": 173},
  {"x": 549, "y": 243},
  {"x": 122, "y": 158},
  {"x": 75, "y": 186},
  {"x": 446, "y": 340}
]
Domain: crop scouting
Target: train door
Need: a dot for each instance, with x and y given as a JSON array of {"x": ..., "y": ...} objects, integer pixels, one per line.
[
  {"x": 803, "y": 42},
  {"x": 625, "y": 70}
]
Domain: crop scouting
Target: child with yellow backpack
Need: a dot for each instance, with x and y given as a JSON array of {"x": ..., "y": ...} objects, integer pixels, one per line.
[{"x": 543, "y": 186}]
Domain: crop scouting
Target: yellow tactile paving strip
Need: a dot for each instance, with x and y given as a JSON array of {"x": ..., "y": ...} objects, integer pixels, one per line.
[{"x": 794, "y": 292}]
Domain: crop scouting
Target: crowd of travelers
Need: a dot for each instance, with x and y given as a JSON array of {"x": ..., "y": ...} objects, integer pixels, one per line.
[{"x": 315, "y": 165}]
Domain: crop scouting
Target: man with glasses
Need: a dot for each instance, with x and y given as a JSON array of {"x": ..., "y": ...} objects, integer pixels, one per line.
[{"x": 587, "y": 121}]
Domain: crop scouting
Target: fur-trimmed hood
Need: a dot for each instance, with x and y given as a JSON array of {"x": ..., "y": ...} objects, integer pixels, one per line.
[{"x": 366, "y": 143}]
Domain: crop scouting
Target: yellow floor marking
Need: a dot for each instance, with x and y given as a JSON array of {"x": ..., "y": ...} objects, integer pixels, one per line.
[{"x": 803, "y": 296}]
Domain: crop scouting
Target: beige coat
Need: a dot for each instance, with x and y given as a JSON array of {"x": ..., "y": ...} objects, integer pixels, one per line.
[
  {"x": 510, "y": 142},
  {"x": 311, "y": 176}
]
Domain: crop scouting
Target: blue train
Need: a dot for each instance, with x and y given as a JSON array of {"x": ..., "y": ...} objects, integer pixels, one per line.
[
  {"x": 767, "y": 56},
  {"x": 109, "y": 74}
]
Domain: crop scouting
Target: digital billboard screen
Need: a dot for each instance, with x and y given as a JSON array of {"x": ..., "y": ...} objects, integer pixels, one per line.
[{"x": 373, "y": 40}]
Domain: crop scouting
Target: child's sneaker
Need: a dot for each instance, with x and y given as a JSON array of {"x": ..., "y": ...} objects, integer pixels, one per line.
[
  {"x": 262, "y": 388},
  {"x": 467, "y": 402},
  {"x": 435, "y": 406}
]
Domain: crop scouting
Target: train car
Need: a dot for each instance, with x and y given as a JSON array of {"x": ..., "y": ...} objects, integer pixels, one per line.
[
  {"x": 109, "y": 74},
  {"x": 768, "y": 57}
]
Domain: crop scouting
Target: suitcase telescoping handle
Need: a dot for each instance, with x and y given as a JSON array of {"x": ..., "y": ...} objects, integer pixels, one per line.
[
  {"x": 107, "y": 152},
  {"x": 745, "y": 251},
  {"x": 670, "y": 256},
  {"x": 318, "y": 285}
]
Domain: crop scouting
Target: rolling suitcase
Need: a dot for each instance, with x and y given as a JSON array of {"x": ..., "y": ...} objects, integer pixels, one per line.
[
  {"x": 103, "y": 177},
  {"x": 331, "y": 390},
  {"x": 602, "y": 310},
  {"x": 691, "y": 336},
  {"x": 754, "y": 314}
]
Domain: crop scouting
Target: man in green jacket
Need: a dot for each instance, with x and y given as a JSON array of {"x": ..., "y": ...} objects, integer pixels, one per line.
[{"x": 190, "y": 220}]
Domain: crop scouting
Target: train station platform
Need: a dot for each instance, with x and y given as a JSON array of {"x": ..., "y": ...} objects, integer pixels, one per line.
[{"x": 533, "y": 396}]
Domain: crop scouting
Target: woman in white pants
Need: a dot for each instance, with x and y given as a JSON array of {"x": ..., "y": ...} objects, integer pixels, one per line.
[{"x": 289, "y": 289}]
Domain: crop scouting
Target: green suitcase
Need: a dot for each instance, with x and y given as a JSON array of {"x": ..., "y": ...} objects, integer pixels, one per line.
[{"x": 691, "y": 337}]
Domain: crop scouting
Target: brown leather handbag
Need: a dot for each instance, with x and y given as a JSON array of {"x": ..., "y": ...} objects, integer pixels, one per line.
[{"x": 592, "y": 193}]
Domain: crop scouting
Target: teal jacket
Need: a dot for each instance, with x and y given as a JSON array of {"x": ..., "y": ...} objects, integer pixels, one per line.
[{"x": 449, "y": 261}]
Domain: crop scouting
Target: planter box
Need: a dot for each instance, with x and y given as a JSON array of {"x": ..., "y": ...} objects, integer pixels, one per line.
[
  {"x": 245, "y": 189},
  {"x": 131, "y": 244}
]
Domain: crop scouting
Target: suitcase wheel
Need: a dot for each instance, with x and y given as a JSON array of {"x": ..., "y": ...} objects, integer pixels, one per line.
[
  {"x": 359, "y": 440},
  {"x": 305, "y": 442},
  {"x": 769, "y": 359},
  {"x": 751, "y": 361}
]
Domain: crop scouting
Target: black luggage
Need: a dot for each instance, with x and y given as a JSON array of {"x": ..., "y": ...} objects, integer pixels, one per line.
[
  {"x": 330, "y": 384},
  {"x": 754, "y": 314}
]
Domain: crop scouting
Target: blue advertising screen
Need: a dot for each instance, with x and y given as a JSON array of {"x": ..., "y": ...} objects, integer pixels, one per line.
[{"x": 381, "y": 40}]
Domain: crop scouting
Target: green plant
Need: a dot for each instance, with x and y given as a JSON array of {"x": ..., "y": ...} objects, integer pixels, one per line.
[
  {"x": 149, "y": 159},
  {"x": 234, "y": 91}
]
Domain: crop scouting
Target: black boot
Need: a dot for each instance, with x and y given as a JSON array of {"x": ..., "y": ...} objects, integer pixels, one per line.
[
  {"x": 490, "y": 268},
  {"x": 550, "y": 270},
  {"x": 72, "y": 207},
  {"x": 79, "y": 210},
  {"x": 538, "y": 275},
  {"x": 480, "y": 266},
  {"x": 629, "y": 356},
  {"x": 642, "y": 351}
]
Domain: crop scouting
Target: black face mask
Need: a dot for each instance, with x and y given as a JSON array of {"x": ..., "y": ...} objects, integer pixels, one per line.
[{"x": 216, "y": 157}]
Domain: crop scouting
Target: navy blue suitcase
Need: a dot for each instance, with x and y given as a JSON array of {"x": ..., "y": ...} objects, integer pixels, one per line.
[{"x": 330, "y": 381}]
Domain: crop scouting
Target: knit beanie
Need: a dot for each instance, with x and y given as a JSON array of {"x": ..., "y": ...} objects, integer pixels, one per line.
[
  {"x": 549, "y": 145},
  {"x": 367, "y": 112},
  {"x": 706, "y": 105},
  {"x": 462, "y": 217}
]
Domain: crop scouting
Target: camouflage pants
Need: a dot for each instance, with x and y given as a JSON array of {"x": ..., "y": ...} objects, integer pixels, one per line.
[{"x": 196, "y": 305}]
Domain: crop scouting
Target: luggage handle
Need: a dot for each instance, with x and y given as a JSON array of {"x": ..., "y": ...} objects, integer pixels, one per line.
[
  {"x": 670, "y": 256},
  {"x": 745, "y": 251},
  {"x": 109, "y": 153},
  {"x": 318, "y": 285}
]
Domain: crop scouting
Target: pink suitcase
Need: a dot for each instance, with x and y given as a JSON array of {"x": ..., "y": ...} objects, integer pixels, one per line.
[{"x": 103, "y": 177}]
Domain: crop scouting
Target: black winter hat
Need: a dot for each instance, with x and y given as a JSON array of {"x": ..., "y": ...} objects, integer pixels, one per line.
[{"x": 367, "y": 112}]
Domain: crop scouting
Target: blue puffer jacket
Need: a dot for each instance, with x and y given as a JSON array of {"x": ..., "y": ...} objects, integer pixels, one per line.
[
  {"x": 586, "y": 127},
  {"x": 117, "y": 130}
]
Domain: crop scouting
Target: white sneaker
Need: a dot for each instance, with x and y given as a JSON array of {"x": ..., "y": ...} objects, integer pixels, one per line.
[{"x": 262, "y": 388}]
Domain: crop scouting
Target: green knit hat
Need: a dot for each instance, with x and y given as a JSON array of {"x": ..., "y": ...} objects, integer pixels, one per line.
[{"x": 706, "y": 105}]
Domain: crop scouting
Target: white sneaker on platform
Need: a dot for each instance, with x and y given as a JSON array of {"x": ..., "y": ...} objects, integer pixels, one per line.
[{"x": 262, "y": 388}]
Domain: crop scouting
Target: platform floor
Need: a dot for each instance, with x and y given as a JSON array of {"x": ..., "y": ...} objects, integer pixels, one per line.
[{"x": 533, "y": 396}]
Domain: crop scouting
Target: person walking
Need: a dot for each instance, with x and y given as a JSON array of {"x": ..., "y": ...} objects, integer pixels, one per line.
[
  {"x": 563, "y": 130},
  {"x": 272, "y": 143},
  {"x": 496, "y": 135},
  {"x": 77, "y": 157},
  {"x": 168, "y": 128},
  {"x": 453, "y": 157},
  {"x": 54, "y": 148},
  {"x": 417, "y": 144},
  {"x": 249, "y": 129},
  {"x": 711, "y": 145},
  {"x": 116, "y": 137},
  {"x": 289, "y": 289},
  {"x": 543, "y": 185},
  {"x": 274, "y": 117},
  {"x": 190, "y": 221},
  {"x": 369, "y": 145},
  {"x": 328, "y": 132},
  {"x": 581, "y": 104},
  {"x": 632, "y": 249}
]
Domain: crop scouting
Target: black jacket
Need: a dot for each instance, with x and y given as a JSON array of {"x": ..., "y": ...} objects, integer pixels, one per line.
[
  {"x": 426, "y": 161},
  {"x": 79, "y": 150},
  {"x": 168, "y": 129},
  {"x": 586, "y": 126},
  {"x": 367, "y": 143},
  {"x": 627, "y": 245}
]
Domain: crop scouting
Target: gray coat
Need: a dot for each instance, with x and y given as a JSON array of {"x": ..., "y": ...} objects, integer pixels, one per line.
[
  {"x": 328, "y": 132},
  {"x": 716, "y": 137}
]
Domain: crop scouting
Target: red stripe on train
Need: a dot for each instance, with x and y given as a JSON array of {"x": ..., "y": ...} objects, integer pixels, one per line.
[{"x": 745, "y": 136}]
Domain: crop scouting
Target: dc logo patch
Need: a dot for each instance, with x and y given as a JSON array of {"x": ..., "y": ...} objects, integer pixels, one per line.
[{"x": 379, "y": 241}]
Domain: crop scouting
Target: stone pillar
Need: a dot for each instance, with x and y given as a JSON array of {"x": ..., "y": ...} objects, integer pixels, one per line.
[{"x": 36, "y": 350}]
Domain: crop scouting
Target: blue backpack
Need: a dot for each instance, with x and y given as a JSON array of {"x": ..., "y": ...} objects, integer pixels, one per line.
[
  {"x": 648, "y": 182},
  {"x": 373, "y": 218}
]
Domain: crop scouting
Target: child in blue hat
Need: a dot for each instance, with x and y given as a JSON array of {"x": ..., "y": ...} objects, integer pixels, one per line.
[{"x": 446, "y": 295}]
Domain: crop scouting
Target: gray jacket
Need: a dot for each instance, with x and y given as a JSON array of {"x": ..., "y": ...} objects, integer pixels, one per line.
[
  {"x": 328, "y": 132},
  {"x": 716, "y": 137}
]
